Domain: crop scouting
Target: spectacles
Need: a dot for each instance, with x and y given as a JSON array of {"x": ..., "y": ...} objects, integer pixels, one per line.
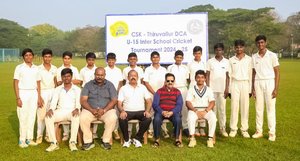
[{"x": 170, "y": 81}]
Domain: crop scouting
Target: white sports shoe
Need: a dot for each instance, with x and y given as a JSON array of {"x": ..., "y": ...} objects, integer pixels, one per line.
[
  {"x": 245, "y": 134},
  {"x": 232, "y": 133},
  {"x": 210, "y": 143},
  {"x": 272, "y": 137},
  {"x": 22, "y": 144},
  {"x": 192, "y": 142},
  {"x": 257, "y": 135},
  {"x": 52, "y": 147},
  {"x": 127, "y": 144},
  {"x": 137, "y": 143},
  {"x": 72, "y": 146},
  {"x": 223, "y": 133},
  {"x": 39, "y": 139},
  {"x": 31, "y": 143}
]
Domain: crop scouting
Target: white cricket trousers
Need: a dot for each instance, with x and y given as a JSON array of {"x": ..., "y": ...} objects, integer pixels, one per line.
[
  {"x": 62, "y": 115},
  {"x": 41, "y": 112},
  {"x": 184, "y": 111},
  {"x": 239, "y": 100},
  {"x": 211, "y": 120},
  {"x": 27, "y": 113},
  {"x": 109, "y": 118},
  {"x": 264, "y": 89},
  {"x": 220, "y": 109}
]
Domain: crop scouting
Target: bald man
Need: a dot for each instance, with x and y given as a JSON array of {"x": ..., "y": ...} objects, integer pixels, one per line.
[{"x": 98, "y": 98}]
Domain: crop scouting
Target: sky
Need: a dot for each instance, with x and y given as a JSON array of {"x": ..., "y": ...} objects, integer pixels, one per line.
[{"x": 68, "y": 15}]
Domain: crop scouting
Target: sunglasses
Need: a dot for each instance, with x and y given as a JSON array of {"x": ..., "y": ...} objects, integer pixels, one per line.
[{"x": 170, "y": 81}]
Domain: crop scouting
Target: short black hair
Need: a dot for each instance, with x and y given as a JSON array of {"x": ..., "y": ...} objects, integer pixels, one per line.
[
  {"x": 132, "y": 55},
  {"x": 260, "y": 37},
  {"x": 200, "y": 72},
  {"x": 239, "y": 42},
  {"x": 154, "y": 53},
  {"x": 178, "y": 52},
  {"x": 26, "y": 50},
  {"x": 67, "y": 53},
  {"x": 219, "y": 45},
  {"x": 197, "y": 48},
  {"x": 90, "y": 55},
  {"x": 169, "y": 75},
  {"x": 66, "y": 71},
  {"x": 46, "y": 51},
  {"x": 110, "y": 56}
]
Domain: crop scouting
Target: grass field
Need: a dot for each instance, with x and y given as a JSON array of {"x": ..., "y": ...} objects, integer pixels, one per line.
[{"x": 286, "y": 146}]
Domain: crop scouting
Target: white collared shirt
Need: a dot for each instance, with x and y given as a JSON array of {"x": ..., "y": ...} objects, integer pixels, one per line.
[
  {"x": 114, "y": 75},
  {"x": 193, "y": 67},
  {"x": 139, "y": 70},
  {"x": 264, "y": 66},
  {"x": 74, "y": 70},
  {"x": 66, "y": 100},
  {"x": 155, "y": 76},
  {"x": 181, "y": 73},
  {"x": 27, "y": 76},
  {"x": 87, "y": 74},
  {"x": 47, "y": 76},
  {"x": 240, "y": 69},
  {"x": 198, "y": 101},
  {"x": 133, "y": 98},
  {"x": 217, "y": 77}
]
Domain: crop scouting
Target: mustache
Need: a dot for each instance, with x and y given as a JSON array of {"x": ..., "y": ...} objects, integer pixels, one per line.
[{"x": 132, "y": 79}]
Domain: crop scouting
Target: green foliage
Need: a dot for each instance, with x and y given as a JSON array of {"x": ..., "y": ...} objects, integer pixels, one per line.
[{"x": 12, "y": 35}]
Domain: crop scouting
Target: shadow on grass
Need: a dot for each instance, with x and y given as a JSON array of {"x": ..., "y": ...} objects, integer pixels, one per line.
[{"x": 14, "y": 122}]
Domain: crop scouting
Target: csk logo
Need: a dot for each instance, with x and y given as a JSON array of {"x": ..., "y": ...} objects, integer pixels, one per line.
[{"x": 119, "y": 28}]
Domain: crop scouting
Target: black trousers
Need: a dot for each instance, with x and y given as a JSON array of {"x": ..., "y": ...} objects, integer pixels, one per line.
[{"x": 143, "y": 125}]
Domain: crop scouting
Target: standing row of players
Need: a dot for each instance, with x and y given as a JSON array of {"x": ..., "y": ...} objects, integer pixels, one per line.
[{"x": 239, "y": 77}]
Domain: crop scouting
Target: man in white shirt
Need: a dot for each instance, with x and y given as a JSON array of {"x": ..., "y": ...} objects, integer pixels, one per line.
[
  {"x": 240, "y": 72},
  {"x": 65, "y": 106},
  {"x": 218, "y": 81},
  {"x": 132, "y": 99},
  {"x": 27, "y": 91},
  {"x": 153, "y": 81},
  {"x": 200, "y": 102},
  {"x": 194, "y": 66},
  {"x": 114, "y": 74},
  {"x": 265, "y": 83},
  {"x": 47, "y": 75},
  {"x": 181, "y": 73}
]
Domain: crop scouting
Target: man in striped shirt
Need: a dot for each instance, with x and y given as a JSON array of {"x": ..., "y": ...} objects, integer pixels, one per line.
[{"x": 167, "y": 104}]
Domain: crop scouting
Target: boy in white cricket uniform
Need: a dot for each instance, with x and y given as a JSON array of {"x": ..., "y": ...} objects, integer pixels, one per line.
[
  {"x": 27, "y": 91},
  {"x": 47, "y": 75},
  {"x": 265, "y": 83},
  {"x": 65, "y": 106},
  {"x": 240, "y": 72},
  {"x": 218, "y": 81},
  {"x": 200, "y": 102},
  {"x": 181, "y": 73}
]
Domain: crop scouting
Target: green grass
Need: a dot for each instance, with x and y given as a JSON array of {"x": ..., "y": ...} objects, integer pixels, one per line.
[{"x": 286, "y": 147}]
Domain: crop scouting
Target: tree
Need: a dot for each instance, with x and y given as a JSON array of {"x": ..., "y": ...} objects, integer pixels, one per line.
[{"x": 13, "y": 35}]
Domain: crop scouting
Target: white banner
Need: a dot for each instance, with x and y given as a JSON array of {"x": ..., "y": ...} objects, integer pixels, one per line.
[{"x": 164, "y": 33}]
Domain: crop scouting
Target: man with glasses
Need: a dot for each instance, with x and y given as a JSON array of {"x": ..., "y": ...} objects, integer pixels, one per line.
[{"x": 167, "y": 104}]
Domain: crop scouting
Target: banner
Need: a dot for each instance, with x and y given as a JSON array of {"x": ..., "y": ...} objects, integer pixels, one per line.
[{"x": 164, "y": 33}]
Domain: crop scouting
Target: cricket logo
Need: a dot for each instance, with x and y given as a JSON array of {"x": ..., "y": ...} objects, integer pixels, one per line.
[{"x": 119, "y": 28}]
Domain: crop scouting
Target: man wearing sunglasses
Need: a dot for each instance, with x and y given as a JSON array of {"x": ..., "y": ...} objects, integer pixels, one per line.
[{"x": 167, "y": 104}]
